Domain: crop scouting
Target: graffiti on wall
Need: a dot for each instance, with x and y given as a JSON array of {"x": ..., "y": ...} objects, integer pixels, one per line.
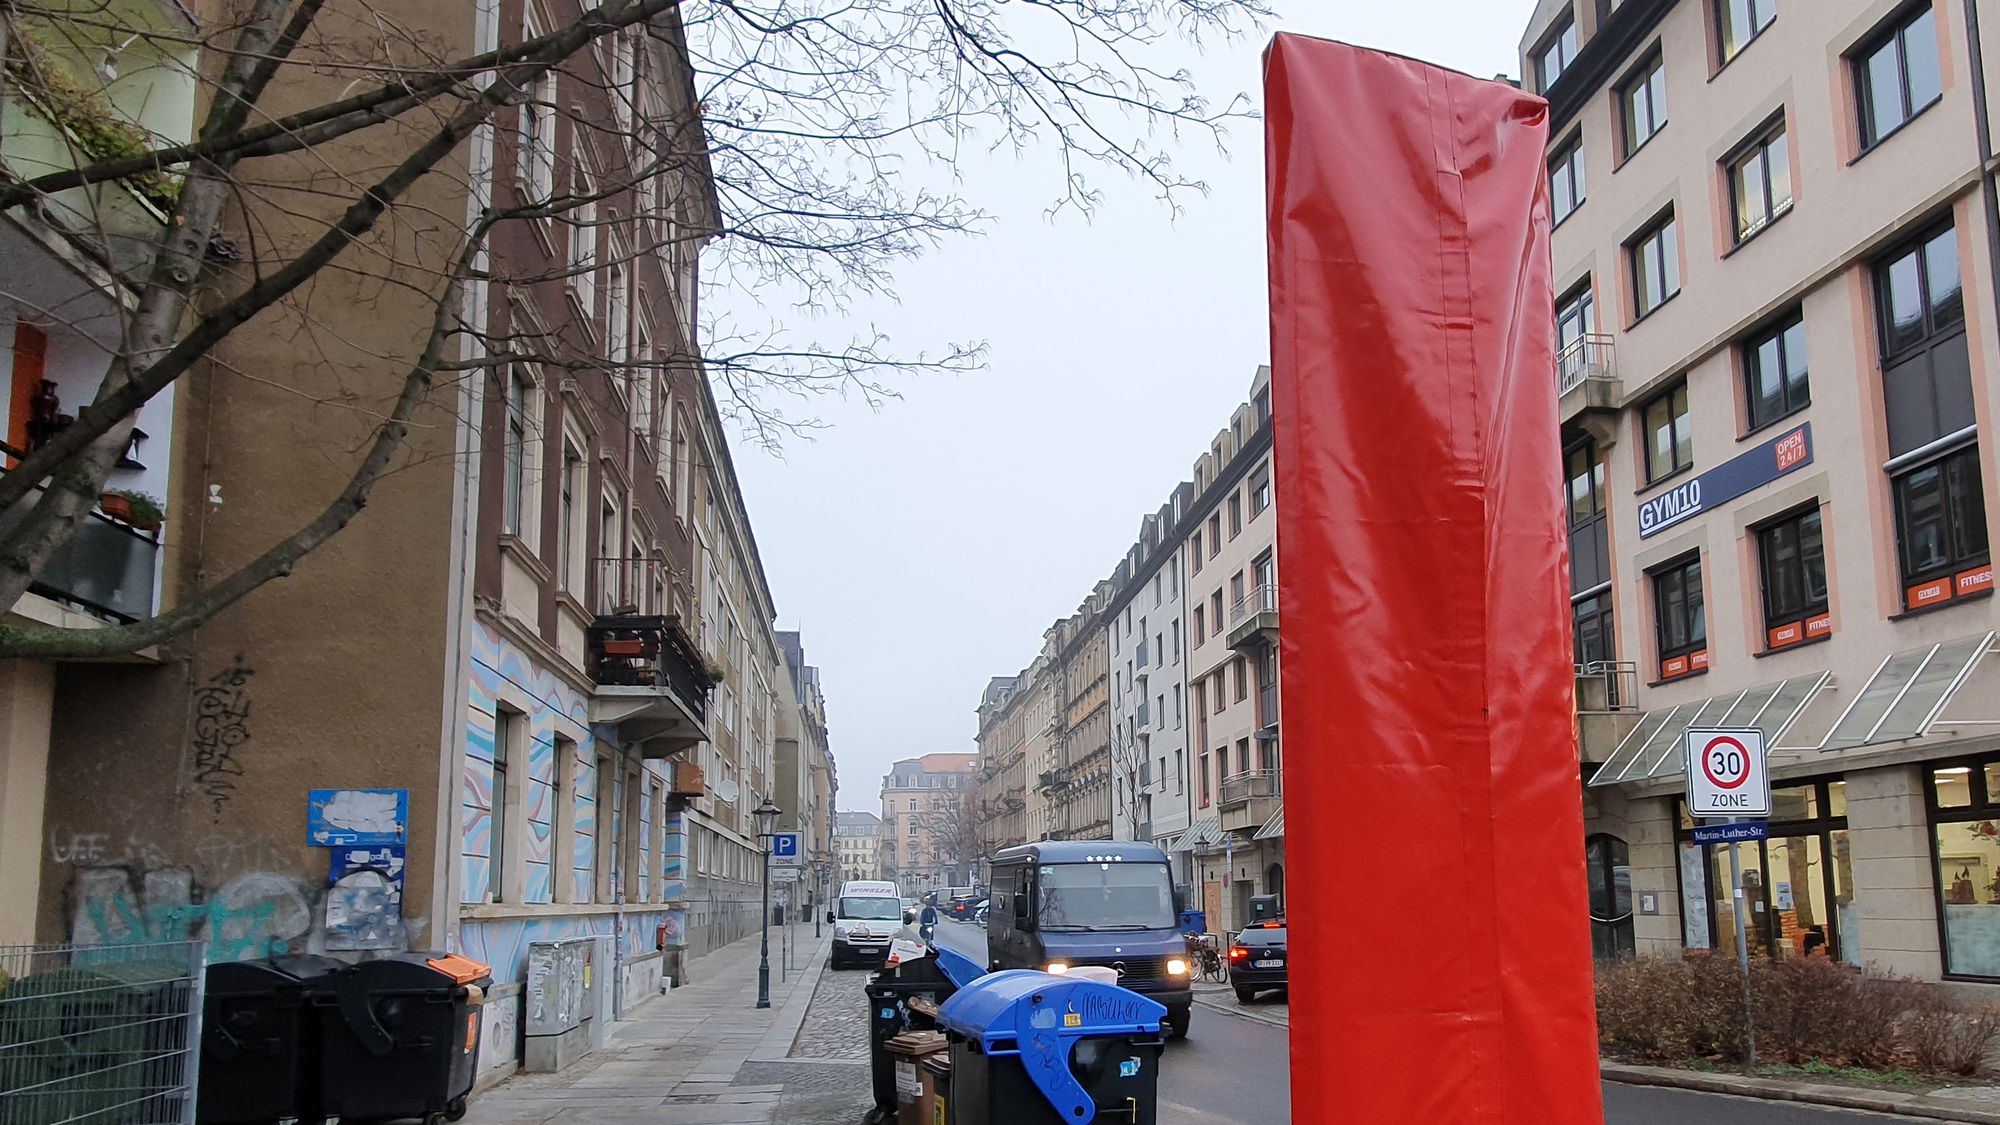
[
  {"x": 221, "y": 733},
  {"x": 255, "y": 915}
]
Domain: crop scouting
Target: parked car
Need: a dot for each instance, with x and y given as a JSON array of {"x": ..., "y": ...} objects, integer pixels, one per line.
[
  {"x": 962, "y": 906},
  {"x": 1257, "y": 959},
  {"x": 979, "y": 914}
]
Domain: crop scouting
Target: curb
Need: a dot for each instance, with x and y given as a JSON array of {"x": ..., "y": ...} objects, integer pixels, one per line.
[
  {"x": 1245, "y": 1012},
  {"x": 776, "y": 1045},
  {"x": 1810, "y": 1093}
]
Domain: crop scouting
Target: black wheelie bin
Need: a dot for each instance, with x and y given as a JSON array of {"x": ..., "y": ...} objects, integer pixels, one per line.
[
  {"x": 1031, "y": 1048},
  {"x": 259, "y": 1041},
  {"x": 400, "y": 1037}
]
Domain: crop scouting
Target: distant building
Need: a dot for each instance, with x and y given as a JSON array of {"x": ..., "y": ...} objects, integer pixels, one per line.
[
  {"x": 1149, "y": 721},
  {"x": 857, "y": 842},
  {"x": 930, "y": 821}
]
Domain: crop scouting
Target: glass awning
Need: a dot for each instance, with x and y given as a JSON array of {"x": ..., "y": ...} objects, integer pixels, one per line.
[
  {"x": 1907, "y": 693},
  {"x": 1653, "y": 749},
  {"x": 1274, "y": 828},
  {"x": 1204, "y": 835}
]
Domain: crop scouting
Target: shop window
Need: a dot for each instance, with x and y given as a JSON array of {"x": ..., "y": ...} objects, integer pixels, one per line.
[
  {"x": 1680, "y": 617},
  {"x": 1566, "y": 186},
  {"x": 1760, "y": 182},
  {"x": 1774, "y": 372},
  {"x": 1669, "y": 440},
  {"x": 1898, "y": 74},
  {"x": 1792, "y": 556},
  {"x": 1798, "y": 885},
  {"x": 1941, "y": 530},
  {"x": 1964, "y": 802},
  {"x": 1642, "y": 101},
  {"x": 1655, "y": 257}
]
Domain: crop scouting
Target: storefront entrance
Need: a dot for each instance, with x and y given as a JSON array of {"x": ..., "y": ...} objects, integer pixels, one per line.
[
  {"x": 1610, "y": 872},
  {"x": 1798, "y": 885}
]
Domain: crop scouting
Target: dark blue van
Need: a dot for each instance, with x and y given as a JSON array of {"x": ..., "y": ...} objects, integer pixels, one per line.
[{"x": 1063, "y": 903}]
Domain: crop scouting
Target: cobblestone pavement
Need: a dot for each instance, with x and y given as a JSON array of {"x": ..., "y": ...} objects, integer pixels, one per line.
[
  {"x": 836, "y": 1026},
  {"x": 815, "y": 1093}
]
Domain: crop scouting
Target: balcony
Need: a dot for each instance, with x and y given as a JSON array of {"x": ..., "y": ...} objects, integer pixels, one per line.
[
  {"x": 1607, "y": 693},
  {"x": 651, "y": 682},
  {"x": 1249, "y": 799},
  {"x": 106, "y": 569},
  {"x": 1253, "y": 620},
  {"x": 1586, "y": 379}
]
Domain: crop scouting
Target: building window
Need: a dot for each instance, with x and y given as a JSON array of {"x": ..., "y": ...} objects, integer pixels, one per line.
[
  {"x": 1176, "y": 631},
  {"x": 1669, "y": 444},
  {"x": 1260, "y": 490},
  {"x": 516, "y": 452},
  {"x": 1642, "y": 102},
  {"x": 1964, "y": 801},
  {"x": 1216, "y": 689},
  {"x": 583, "y": 235},
  {"x": 617, "y": 320},
  {"x": 1737, "y": 22},
  {"x": 1241, "y": 668},
  {"x": 1242, "y": 755},
  {"x": 1798, "y": 885},
  {"x": 1200, "y": 624},
  {"x": 1941, "y": 529},
  {"x": 1677, "y": 609},
  {"x": 1774, "y": 372},
  {"x": 1235, "y": 514},
  {"x": 1262, "y": 402},
  {"x": 1920, "y": 316},
  {"x": 1575, "y": 321},
  {"x": 1656, "y": 266},
  {"x": 1204, "y": 779},
  {"x": 1555, "y": 55},
  {"x": 1215, "y": 610},
  {"x": 1897, "y": 74},
  {"x": 1760, "y": 182},
  {"x": 1591, "y": 631},
  {"x": 1793, "y": 559},
  {"x": 569, "y": 532},
  {"x": 1566, "y": 187},
  {"x": 1214, "y": 534},
  {"x": 496, "y": 850},
  {"x": 536, "y": 163}
]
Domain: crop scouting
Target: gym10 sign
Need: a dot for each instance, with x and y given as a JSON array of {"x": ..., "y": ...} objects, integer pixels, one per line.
[{"x": 1726, "y": 774}]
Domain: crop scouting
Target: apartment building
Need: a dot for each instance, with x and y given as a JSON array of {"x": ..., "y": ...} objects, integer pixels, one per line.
[
  {"x": 1149, "y": 721},
  {"x": 1774, "y": 254},
  {"x": 807, "y": 785},
  {"x": 70, "y": 266},
  {"x": 930, "y": 822},
  {"x": 1077, "y": 787},
  {"x": 1237, "y": 816},
  {"x": 857, "y": 847},
  {"x": 1005, "y": 715}
]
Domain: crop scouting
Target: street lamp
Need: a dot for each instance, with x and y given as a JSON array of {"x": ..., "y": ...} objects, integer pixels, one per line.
[
  {"x": 767, "y": 825},
  {"x": 821, "y": 871}
]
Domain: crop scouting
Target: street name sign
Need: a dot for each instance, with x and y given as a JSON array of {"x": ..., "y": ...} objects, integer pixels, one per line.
[
  {"x": 785, "y": 850},
  {"x": 1726, "y": 773},
  {"x": 1732, "y": 833}
]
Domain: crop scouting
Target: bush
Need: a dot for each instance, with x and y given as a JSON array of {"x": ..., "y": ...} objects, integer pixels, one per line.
[{"x": 1810, "y": 1011}]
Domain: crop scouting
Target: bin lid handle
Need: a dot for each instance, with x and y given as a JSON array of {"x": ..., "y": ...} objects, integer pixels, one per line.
[
  {"x": 359, "y": 1015},
  {"x": 1045, "y": 1052},
  {"x": 461, "y": 969}
]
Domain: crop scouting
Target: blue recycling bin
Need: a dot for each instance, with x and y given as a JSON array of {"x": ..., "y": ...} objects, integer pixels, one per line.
[
  {"x": 1032, "y": 1048},
  {"x": 1194, "y": 921}
]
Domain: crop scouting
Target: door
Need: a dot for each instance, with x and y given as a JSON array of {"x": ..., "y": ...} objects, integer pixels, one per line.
[{"x": 1608, "y": 864}]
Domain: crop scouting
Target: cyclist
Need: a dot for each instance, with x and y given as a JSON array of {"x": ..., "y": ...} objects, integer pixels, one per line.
[{"x": 927, "y": 920}]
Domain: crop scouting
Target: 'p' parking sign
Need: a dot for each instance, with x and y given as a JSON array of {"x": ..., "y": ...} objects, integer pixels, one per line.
[{"x": 1726, "y": 773}]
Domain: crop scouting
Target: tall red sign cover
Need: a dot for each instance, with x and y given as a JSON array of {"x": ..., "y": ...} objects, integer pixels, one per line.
[{"x": 1441, "y": 965}]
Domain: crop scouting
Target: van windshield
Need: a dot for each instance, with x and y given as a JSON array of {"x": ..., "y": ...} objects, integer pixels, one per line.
[
  {"x": 1106, "y": 896},
  {"x": 872, "y": 909}
]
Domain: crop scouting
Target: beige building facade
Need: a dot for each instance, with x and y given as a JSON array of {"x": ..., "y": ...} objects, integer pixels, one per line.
[
  {"x": 1774, "y": 255},
  {"x": 929, "y": 822},
  {"x": 857, "y": 847}
]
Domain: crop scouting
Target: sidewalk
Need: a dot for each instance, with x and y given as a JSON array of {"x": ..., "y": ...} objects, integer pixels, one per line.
[
  {"x": 1274, "y": 1008},
  {"x": 705, "y": 1055}
]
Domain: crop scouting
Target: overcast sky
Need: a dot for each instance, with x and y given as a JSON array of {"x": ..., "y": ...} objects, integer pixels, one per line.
[{"x": 923, "y": 549}]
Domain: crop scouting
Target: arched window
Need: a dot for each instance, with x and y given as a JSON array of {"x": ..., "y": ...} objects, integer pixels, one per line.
[{"x": 1609, "y": 867}]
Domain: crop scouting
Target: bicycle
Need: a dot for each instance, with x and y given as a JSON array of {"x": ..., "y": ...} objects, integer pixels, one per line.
[{"x": 1205, "y": 959}]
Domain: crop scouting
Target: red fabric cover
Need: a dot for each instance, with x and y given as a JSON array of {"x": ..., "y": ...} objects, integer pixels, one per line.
[{"x": 1441, "y": 963}]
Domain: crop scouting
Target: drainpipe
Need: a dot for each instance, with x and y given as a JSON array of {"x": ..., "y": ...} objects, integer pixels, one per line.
[{"x": 1983, "y": 130}]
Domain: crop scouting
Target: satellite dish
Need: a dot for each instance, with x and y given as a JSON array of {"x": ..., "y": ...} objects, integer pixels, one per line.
[{"x": 726, "y": 791}]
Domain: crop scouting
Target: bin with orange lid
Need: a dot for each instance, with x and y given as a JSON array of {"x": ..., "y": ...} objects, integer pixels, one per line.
[{"x": 400, "y": 1037}]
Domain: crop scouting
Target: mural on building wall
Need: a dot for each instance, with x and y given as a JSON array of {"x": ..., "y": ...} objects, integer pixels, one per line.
[
  {"x": 583, "y": 849},
  {"x": 554, "y": 707}
]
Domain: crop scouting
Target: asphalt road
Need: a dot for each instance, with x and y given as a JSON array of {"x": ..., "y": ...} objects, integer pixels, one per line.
[{"x": 1234, "y": 1070}]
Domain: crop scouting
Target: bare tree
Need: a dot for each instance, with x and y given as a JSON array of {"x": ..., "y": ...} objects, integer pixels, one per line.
[
  {"x": 338, "y": 141},
  {"x": 953, "y": 830}
]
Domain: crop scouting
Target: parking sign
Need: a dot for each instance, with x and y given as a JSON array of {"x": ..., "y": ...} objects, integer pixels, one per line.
[
  {"x": 785, "y": 850},
  {"x": 1726, "y": 774}
]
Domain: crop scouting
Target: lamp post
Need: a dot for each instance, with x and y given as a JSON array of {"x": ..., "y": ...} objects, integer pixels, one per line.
[
  {"x": 819, "y": 893},
  {"x": 767, "y": 823}
]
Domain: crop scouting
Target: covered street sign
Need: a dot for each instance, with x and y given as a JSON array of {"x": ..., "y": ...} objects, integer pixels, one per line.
[
  {"x": 1726, "y": 774},
  {"x": 785, "y": 850}
]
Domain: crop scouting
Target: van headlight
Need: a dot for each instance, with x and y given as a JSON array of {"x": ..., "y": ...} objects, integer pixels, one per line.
[
  {"x": 1058, "y": 967},
  {"x": 1176, "y": 967}
]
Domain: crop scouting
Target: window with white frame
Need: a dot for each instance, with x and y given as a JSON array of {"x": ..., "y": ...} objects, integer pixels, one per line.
[
  {"x": 583, "y": 233},
  {"x": 617, "y": 315},
  {"x": 535, "y": 164},
  {"x": 623, "y": 73},
  {"x": 571, "y": 513}
]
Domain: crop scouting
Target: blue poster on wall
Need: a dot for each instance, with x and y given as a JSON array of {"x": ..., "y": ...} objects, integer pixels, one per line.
[
  {"x": 350, "y": 817},
  {"x": 364, "y": 898}
]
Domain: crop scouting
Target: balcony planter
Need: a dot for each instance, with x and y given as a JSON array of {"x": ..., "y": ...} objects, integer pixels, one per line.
[
  {"x": 116, "y": 505},
  {"x": 714, "y": 672},
  {"x": 139, "y": 509}
]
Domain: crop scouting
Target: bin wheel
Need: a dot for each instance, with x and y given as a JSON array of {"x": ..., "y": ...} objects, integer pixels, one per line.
[
  {"x": 454, "y": 1109},
  {"x": 434, "y": 1118}
]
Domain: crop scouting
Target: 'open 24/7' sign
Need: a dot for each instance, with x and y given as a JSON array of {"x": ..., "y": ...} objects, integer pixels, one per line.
[{"x": 1726, "y": 774}]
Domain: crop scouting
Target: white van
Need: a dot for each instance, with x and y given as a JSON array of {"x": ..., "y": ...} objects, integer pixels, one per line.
[{"x": 865, "y": 916}]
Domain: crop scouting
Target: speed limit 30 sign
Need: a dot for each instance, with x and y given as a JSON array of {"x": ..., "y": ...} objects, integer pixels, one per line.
[{"x": 1725, "y": 772}]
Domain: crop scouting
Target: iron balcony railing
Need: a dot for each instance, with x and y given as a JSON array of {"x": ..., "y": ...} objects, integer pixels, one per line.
[
  {"x": 1621, "y": 684},
  {"x": 1256, "y": 783},
  {"x": 649, "y": 651},
  {"x": 1262, "y": 599},
  {"x": 1587, "y": 356}
]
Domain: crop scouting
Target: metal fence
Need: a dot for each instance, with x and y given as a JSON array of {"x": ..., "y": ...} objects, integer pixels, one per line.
[{"x": 103, "y": 1035}]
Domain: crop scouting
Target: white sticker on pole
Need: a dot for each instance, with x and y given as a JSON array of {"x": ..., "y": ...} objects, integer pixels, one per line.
[{"x": 1726, "y": 774}]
